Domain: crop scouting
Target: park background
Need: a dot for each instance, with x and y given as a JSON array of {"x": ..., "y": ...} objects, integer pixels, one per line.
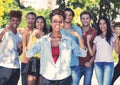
[{"x": 108, "y": 8}]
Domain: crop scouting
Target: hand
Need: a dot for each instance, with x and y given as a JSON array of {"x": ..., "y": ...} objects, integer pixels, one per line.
[
  {"x": 35, "y": 32},
  {"x": 7, "y": 28},
  {"x": 89, "y": 38},
  {"x": 20, "y": 46},
  {"x": 88, "y": 64},
  {"x": 74, "y": 33},
  {"x": 116, "y": 36}
]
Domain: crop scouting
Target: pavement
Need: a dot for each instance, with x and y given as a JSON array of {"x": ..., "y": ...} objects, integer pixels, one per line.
[{"x": 94, "y": 80}]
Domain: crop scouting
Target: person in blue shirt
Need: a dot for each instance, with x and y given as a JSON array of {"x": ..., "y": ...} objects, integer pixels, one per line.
[
  {"x": 67, "y": 29},
  {"x": 55, "y": 50}
]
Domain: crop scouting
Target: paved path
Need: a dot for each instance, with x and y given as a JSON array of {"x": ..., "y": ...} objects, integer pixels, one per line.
[{"x": 94, "y": 81}]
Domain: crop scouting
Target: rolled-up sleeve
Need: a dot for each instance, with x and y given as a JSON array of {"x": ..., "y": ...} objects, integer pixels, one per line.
[
  {"x": 34, "y": 50},
  {"x": 79, "y": 51}
]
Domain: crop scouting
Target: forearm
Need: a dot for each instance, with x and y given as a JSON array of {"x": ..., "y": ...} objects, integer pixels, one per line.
[
  {"x": 92, "y": 60},
  {"x": 90, "y": 49},
  {"x": 29, "y": 45},
  {"x": 1, "y": 35},
  {"x": 81, "y": 42},
  {"x": 117, "y": 46}
]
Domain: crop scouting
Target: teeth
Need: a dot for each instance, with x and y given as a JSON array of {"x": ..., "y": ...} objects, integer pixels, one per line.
[{"x": 57, "y": 26}]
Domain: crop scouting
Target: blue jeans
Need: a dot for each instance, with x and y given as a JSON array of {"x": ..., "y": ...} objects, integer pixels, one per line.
[
  {"x": 75, "y": 75},
  {"x": 87, "y": 72},
  {"x": 104, "y": 72},
  {"x": 23, "y": 76},
  {"x": 9, "y": 76},
  {"x": 66, "y": 81}
]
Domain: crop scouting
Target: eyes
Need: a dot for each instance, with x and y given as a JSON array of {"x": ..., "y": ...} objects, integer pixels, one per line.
[
  {"x": 15, "y": 20},
  {"x": 55, "y": 21}
]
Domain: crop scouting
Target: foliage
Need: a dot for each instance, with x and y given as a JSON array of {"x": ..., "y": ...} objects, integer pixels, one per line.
[
  {"x": 115, "y": 56},
  {"x": 108, "y": 8},
  {"x": 7, "y": 5}
]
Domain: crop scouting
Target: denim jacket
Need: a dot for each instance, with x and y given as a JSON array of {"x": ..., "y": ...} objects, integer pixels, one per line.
[
  {"x": 74, "y": 60},
  {"x": 48, "y": 68}
]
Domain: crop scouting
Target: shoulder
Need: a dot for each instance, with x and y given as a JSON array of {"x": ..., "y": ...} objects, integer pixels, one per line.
[
  {"x": 76, "y": 27},
  {"x": 21, "y": 30}
]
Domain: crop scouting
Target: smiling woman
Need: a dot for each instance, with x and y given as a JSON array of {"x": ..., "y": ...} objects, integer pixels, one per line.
[{"x": 55, "y": 50}]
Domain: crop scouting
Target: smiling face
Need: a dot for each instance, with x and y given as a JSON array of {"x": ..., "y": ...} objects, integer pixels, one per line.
[
  {"x": 14, "y": 22},
  {"x": 103, "y": 25},
  {"x": 30, "y": 20},
  {"x": 57, "y": 23},
  {"x": 69, "y": 16},
  {"x": 85, "y": 19},
  {"x": 39, "y": 23}
]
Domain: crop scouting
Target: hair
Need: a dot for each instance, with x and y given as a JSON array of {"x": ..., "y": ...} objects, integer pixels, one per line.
[
  {"x": 15, "y": 13},
  {"x": 86, "y": 12},
  {"x": 45, "y": 29},
  {"x": 31, "y": 13},
  {"x": 109, "y": 31},
  {"x": 69, "y": 9},
  {"x": 56, "y": 12}
]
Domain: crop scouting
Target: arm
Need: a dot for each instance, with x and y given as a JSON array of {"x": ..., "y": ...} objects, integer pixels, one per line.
[
  {"x": 3, "y": 32},
  {"x": 74, "y": 33},
  {"x": 117, "y": 43},
  {"x": 81, "y": 49},
  {"x": 91, "y": 49}
]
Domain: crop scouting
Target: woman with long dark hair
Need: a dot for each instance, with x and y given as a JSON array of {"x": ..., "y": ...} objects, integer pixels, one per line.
[
  {"x": 102, "y": 50},
  {"x": 33, "y": 66}
]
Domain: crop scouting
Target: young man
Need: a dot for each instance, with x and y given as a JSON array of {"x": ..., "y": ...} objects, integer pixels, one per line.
[
  {"x": 86, "y": 64},
  {"x": 68, "y": 28},
  {"x": 10, "y": 48},
  {"x": 30, "y": 18}
]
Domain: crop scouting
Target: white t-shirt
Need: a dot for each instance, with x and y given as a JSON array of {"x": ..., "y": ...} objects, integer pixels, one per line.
[
  {"x": 8, "y": 50},
  {"x": 103, "y": 49}
]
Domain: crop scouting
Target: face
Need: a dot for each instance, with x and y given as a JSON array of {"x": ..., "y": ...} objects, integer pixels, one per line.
[
  {"x": 30, "y": 20},
  {"x": 39, "y": 23},
  {"x": 14, "y": 22},
  {"x": 69, "y": 16},
  {"x": 85, "y": 19},
  {"x": 103, "y": 25},
  {"x": 57, "y": 23},
  {"x": 117, "y": 30}
]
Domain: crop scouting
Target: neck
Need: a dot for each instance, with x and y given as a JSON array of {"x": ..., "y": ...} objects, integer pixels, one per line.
[
  {"x": 67, "y": 26},
  {"x": 30, "y": 28},
  {"x": 14, "y": 31},
  {"x": 103, "y": 34},
  {"x": 56, "y": 35},
  {"x": 86, "y": 28}
]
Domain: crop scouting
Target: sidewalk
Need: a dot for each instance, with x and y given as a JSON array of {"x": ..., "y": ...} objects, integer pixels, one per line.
[{"x": 94, "y": 81}]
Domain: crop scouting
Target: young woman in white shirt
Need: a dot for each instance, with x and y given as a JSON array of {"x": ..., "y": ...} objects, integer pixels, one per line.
[{"x": 102, "y": 50}]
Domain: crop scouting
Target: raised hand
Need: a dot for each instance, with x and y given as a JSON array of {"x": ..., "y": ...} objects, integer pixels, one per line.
[
  {"x": 74, "y": 33},
  {"x": 89, "y": 38}
]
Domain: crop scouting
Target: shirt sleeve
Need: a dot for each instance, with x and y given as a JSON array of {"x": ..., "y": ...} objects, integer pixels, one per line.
[
  {"x": 34, "y": 49},
  {"x": 95, "y": 40},
  {"x": 78, "y": 51}
]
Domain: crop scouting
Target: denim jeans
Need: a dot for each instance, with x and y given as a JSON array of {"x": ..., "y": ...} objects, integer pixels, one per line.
[
  {"x": 66, "y": 81},
  {"x": 104, "y": 72},
  {"x": 23, "y": 76},
  {"x": 87, "y": 72},
  {"x": 75, "y": 75},
  {"x": 9, "y": 76}
]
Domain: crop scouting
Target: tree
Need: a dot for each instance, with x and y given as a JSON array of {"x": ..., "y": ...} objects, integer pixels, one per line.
[{"x": 108, "y": 8}]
